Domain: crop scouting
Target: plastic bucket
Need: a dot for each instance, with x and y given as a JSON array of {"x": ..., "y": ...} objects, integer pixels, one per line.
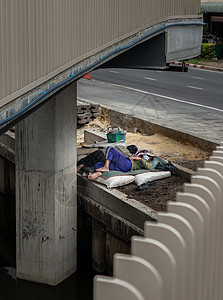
[{"x": 123, "y": 135}]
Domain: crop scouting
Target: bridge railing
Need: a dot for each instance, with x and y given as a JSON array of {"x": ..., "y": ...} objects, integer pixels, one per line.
[
  {"x": 41, "y": 39},
  {"x": 180, "y": 256}
]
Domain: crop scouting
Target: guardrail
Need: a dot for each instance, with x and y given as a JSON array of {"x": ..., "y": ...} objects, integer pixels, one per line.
[{"x": 180, "y": 256}]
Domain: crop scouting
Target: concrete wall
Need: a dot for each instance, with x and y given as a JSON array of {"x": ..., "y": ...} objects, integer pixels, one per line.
[
  {"x": 107, "y": 221},
  {"x": 180, "y": 45}
]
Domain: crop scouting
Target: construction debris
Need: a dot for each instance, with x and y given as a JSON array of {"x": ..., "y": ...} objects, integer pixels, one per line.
[{"x": 86, "y": 112}]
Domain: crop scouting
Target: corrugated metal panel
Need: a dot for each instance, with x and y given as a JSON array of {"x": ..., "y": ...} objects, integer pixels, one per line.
[
  {"x": 211, "y": 1},
  {"x": 212, "y": 7},
  {"x": 40, "y": 38}
]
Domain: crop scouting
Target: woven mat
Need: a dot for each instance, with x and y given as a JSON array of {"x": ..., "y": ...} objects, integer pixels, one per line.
[{"x": 110, "y": 174}]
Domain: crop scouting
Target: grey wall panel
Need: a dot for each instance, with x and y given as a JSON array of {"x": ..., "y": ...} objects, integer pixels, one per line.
[{"x": 41, "y": 38}]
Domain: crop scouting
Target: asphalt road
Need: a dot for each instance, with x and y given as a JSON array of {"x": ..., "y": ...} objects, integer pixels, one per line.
[
  {"x": 196, "y": 86},
  {"x": 191, "y": 102}
]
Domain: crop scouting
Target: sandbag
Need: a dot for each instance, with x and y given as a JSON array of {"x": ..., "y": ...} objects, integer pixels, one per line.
[
  {"x": 151, "y": 176},
  {"x": 115, "y": 181}
]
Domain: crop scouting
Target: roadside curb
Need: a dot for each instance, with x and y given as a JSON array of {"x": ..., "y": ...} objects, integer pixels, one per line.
[{"x": 197, "y": 66}]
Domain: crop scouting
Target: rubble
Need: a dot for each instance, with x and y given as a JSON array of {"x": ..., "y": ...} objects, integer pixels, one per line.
[{"x": 86, "y": 112}]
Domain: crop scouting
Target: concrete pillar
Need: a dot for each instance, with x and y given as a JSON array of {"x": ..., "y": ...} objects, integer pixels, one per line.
[{"x": 46, "y": 191}]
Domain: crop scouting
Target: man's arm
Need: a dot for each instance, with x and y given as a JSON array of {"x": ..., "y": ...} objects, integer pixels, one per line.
[
  {"x": 146, "y": 164},
  {"x": 132, "y": 158}
]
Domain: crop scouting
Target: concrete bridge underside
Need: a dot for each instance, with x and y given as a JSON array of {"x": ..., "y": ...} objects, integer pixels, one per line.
[
  {"x": 45, "y": 120},
  {"x": 151, "y": 48}
]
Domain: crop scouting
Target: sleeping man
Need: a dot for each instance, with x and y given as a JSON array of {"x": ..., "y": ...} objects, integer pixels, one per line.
[
  {"x": 99, "y": 156},
  {"x": 114, "y": 160}
]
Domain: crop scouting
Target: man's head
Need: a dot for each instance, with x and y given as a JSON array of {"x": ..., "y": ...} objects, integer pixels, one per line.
[{"x": 132, "y": 149}]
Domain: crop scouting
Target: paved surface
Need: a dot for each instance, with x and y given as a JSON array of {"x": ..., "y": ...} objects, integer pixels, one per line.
[
  {"x": 213, "y": 68},
  {"x": 170, "y": 111},
  {"x": 196, "y": 86}
]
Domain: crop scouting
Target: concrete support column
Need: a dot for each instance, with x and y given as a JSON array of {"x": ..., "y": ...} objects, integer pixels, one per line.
[{"x": 46, "y": 191}]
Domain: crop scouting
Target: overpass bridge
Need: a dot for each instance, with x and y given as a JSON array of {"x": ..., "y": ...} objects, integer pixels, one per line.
[{"x": 45, "y": 48}]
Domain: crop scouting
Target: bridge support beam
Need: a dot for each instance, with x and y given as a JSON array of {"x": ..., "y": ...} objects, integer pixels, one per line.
[{"x": 46, "y": 191}]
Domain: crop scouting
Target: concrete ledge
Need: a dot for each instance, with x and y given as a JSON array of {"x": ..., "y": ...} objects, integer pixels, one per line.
[
  {"x": 91, "y": 136},
  {"x": 114, "y": 223},
  {"x": 109, "y": 234},
  {"x": 114, "y": 220},
  {"x": 184, "y": 172},
  {"x": 129, "y": 209}
]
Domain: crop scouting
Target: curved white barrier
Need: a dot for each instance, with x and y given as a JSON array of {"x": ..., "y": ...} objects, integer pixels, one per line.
[{"x": 182, "y": 252}]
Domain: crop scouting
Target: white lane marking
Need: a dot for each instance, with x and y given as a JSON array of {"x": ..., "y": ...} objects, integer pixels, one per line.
[
  {"x": 150, "y": 78},
  {"x": 194, "y": 77},
  {"x": 116, "y": 72},
  {"x": 194, "y": 87},
  {"x": 168, "y": 98}
]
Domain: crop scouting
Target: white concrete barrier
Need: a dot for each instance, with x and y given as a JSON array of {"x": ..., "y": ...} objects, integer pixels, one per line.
[
  {"x": 139, "y": 272},
  {"x": 184, "y": 247}
]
